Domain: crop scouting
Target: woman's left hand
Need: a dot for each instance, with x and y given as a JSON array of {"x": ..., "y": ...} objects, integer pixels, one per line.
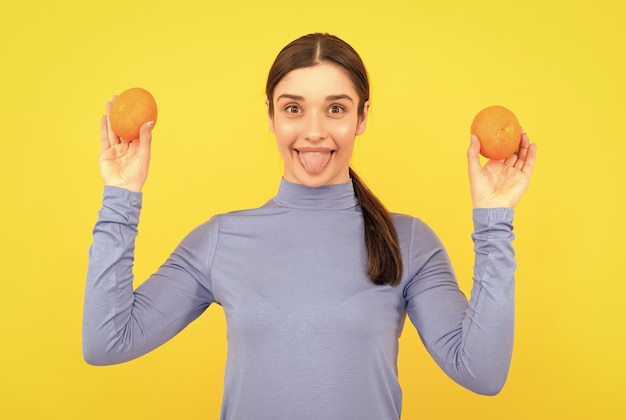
[{"x": 500, "y": 183}]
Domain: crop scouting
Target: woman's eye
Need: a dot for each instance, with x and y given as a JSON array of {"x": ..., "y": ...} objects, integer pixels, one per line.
[
  {"x": 335, "y": 109},
  {"x": 292, "y": 109}
]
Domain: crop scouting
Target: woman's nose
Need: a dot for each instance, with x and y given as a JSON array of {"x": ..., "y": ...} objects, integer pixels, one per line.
[{"x": 314, "y": 129}]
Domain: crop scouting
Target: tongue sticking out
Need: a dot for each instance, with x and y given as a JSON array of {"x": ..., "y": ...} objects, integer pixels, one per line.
[{"x": 314, "y": 162}]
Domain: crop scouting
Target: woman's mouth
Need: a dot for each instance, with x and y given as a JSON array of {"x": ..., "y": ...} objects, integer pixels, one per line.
[{"x": 314, "y": 159}]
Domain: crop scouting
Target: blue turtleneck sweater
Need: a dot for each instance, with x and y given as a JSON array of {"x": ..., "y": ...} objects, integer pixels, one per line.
[{"x": 309, "y": 335}]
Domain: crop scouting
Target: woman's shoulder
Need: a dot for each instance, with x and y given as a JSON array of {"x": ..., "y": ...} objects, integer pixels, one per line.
[
  {"x": 410, "y": 228},
  {"x": 407, "y": 221}
]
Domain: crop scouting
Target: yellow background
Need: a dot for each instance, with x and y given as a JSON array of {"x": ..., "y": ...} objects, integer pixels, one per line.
[{"x": 559, "y": 65}]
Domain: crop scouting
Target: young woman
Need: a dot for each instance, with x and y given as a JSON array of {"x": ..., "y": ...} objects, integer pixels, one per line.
[{"x": 317, "y": 283}]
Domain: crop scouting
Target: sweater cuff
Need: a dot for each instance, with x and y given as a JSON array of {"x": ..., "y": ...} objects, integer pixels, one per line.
[
  {"x": 489, "y": 217},
  {"x": 120, "y": 205},
  {"x": 493, "y": 223}
]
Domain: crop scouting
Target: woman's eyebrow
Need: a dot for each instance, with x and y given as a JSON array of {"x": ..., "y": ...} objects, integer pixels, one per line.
[
  {"x": 301, "y": 98},
  {"x": 338, "y": 97},
  {"x": 289, "y": 96}
]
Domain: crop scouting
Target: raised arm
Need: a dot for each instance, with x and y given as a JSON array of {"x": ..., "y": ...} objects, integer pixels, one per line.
[
  {"x": 120, "y": 323},
  {"x": 472, "y": 341}
]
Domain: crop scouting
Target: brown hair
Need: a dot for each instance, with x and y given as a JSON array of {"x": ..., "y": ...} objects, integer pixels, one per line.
[{"x": 381, "y": 239}]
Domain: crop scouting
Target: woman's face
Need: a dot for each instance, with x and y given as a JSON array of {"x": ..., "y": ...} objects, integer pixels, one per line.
[{"x": 315, "y": 121}]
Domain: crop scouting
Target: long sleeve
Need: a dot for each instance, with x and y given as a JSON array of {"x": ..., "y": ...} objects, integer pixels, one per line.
[
  {"x": 471, "y": 341},
  {"x": 119, "y": 323}
]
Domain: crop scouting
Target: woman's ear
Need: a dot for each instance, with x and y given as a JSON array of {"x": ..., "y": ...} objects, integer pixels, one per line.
[
  {"x": 269, "y": 116},
  {"x": 360, "y": 128}
]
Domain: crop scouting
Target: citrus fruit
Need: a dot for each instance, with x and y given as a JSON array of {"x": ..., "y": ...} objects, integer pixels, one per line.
[
  {"x": 498, "y": 130},
  {"x": 131, "y": 109}
]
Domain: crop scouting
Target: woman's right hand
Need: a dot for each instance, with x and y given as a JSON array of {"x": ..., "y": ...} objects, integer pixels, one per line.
[{"x": 124, "y": 164}]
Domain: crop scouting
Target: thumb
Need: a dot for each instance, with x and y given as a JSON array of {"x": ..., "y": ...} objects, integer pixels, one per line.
[
  {"x": 145, "y": 131},
  {"x": 145, "y": 138},
  {"x": 473, "y": 160}
]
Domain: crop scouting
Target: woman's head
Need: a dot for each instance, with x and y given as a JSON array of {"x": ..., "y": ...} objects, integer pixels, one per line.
[
  {"x": 313, "y": 49},
  {"x": 317, "y": 97}
]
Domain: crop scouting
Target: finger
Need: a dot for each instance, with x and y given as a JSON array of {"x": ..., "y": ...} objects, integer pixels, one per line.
[
  {"x": 104, "y": 134},
  {"x": 113, "y": 138},
  {"x": 529, "y": 162},
  {"x": 523, "y": 146},
  {"x": 522, "y": 151},
  {"x": 511, "y": 160},
  {"x": 145, "y": 141},
  {"x": 473, "y": 158}
]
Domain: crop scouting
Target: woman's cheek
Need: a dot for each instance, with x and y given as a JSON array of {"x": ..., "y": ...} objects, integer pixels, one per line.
[{"x": 285, "y": 128}]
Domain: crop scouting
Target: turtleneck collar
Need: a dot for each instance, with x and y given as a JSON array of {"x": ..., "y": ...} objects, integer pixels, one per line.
[{"x": 330, "y": 197}]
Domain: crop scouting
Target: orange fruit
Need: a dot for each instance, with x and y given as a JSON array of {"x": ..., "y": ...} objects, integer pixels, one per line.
[
  {"x": 498, "y": 130},
  {"x": 131, "y": 109}
]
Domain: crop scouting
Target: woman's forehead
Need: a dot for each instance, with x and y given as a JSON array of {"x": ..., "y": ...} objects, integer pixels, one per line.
[{"x": 321, "y": 80}]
